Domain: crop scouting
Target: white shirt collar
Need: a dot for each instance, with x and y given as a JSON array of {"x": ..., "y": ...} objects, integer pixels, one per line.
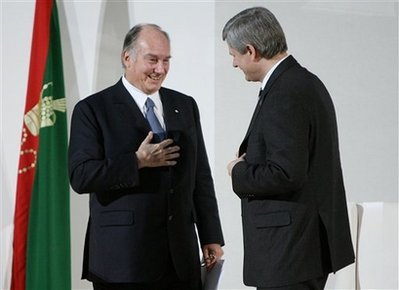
[
  {"x": 140, "y": 98},
  {"x": 269, "y": 73}
]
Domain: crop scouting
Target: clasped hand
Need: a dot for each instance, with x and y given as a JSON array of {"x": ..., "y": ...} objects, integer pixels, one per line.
[
  {"x": 211, "y": 254},
  {"x": 234, "y": 162},
  {"x": 157, "y": 155}
]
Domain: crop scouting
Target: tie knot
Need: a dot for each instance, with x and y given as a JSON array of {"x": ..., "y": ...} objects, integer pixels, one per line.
[{"x": 149, "y": 103}]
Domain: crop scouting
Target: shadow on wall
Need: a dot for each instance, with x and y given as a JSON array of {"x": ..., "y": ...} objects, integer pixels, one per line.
[
  {"x": 374, "y": 229},
  {"x": 70, "y": 70},
  {"x": 108, "y": 66},
  {"x": 377, "y": 246}
]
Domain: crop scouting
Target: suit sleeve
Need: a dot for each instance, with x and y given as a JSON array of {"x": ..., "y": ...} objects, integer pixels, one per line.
[
  {"x": 206, "y": 208},
  {"x": 277, "y": 155},
  {"x": 90, "y": 170}
]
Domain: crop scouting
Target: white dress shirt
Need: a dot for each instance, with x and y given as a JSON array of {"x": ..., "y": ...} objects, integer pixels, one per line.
[
  {"x": 269, "y": 73},
  {"x": 140, "y": 98}
]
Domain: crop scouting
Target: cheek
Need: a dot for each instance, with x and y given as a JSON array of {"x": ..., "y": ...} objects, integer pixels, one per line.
[
  {"x": 242, "y": 67},
  {"x": 148, "y": 68},
  {"x": 145, "y": 72},
  {"x": 240, "y": 63}
]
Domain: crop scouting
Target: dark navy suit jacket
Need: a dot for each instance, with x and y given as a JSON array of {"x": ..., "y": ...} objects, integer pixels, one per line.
[
  {"x": 294, "y": 211},
  {"x": 140, "y": 217}
]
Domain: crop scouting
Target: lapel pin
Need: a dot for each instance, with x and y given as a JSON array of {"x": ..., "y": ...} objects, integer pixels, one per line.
[{"x": 177, "y": 111}]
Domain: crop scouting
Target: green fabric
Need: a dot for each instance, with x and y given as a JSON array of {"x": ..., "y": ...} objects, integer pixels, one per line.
[{"x": 48, "y": 259}]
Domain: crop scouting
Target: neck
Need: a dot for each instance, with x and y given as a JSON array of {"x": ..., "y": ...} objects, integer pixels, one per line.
[{"x": 269, "y": 63}]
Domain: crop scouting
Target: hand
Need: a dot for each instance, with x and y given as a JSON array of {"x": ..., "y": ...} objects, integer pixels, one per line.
[
  {"x": 234, "y": 162},
  {"x": 211, "y": 253},
  {"x": 157, "y": 155}
]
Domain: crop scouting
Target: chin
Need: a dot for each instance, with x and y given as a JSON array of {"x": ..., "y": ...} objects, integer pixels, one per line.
[
  {"x": 247, "y": 78},
  {"x": 152, "y": 88},
  {"x": 154, "y": 85},
  {"x": 250, "y": 79}
]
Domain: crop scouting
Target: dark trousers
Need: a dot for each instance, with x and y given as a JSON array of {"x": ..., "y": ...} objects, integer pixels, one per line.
[
  {"x": 170, "y": 281},
  {"x": 314, "y": 284},
  {"x": 177, "y": 285}
]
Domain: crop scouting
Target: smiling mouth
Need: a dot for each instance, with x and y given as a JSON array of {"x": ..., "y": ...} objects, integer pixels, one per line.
[{"x": 155, "y": 77}]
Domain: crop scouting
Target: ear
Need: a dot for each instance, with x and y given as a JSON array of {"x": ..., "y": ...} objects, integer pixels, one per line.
[
  {"x": 125, "y": 58},
  {"x": 253, "y": 53}
]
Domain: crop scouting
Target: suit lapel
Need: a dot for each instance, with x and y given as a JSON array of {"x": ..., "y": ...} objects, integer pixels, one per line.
[
  {"x": 244, "y": 143},
  {"x": 127, "y": 108},
  {"x": 281, "y": 68},
  {"x": 172, "y": 114},
  {"x": 131, "y": 114}
]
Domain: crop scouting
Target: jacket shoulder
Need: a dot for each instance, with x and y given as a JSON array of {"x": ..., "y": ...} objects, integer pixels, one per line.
[
  {"x": 102, "y": 97},
  {"x": 176, "y": 96}
]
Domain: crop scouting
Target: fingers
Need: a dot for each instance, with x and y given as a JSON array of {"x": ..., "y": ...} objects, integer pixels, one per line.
[
  {"x": 165, "y": 154},
  {"x": 158, "y": 150},
  {"x": 211, "y": 253},
  {"x": 157, "y": 155},
  {"x": 210, "y": 261},
  {"x": 234, "y": 162},
  {"x": 148, "y": 138},
  {"x": 165, "y": 143}
]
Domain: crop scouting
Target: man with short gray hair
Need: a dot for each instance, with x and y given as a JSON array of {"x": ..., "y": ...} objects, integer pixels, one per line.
[{"x": 288, "y": 174}]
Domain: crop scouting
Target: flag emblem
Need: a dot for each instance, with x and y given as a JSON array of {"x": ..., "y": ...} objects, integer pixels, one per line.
[{"x": 43, "y": 113}]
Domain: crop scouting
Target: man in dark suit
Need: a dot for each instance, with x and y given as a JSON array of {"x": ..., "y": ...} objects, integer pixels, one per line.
[
  {"x": 150, "y": 184},
  {"x": 288, "y": 173}
]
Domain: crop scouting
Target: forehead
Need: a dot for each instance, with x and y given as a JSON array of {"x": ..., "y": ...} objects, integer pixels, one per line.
[{"x": 153, "y": 42}]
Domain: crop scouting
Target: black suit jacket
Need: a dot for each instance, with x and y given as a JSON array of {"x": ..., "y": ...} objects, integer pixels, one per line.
[
  {"x": 294, "y": 211},
  {"x": 138, "y": 217}
]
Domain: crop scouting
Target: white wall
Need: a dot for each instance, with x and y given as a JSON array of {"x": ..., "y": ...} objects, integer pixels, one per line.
[{"x": 352, "y": 46}]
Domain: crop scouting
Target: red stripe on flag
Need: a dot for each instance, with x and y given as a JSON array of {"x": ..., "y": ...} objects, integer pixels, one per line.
[{"x": 29, "y": 141}]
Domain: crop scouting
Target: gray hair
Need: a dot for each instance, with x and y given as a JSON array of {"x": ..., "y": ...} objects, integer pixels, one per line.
[
  {"x": 129, "y": 44},
  {"x": 258, "y": 27}
]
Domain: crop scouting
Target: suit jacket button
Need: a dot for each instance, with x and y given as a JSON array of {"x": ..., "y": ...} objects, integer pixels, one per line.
[
  {"x": 170, "y": 217},
  {"x": 171, "y": 190}
]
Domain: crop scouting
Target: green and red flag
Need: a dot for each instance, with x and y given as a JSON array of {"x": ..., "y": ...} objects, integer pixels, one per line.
[{"x": 41, "y": 245}]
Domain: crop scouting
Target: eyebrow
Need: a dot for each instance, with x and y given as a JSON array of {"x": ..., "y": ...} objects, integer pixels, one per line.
[{"x": 149, "y": 55}]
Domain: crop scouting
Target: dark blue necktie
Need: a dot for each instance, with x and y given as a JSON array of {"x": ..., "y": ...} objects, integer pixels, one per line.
[{"x": 153, "y": 120}]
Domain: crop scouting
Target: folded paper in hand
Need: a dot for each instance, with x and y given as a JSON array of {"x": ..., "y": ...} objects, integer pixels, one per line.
[{"x": 210, "y": 279}]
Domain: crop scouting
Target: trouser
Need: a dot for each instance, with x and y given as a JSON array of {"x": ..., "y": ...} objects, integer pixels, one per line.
[
  {"x": 169, "y": 281},
  {"x": 314, "y": 284}
]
